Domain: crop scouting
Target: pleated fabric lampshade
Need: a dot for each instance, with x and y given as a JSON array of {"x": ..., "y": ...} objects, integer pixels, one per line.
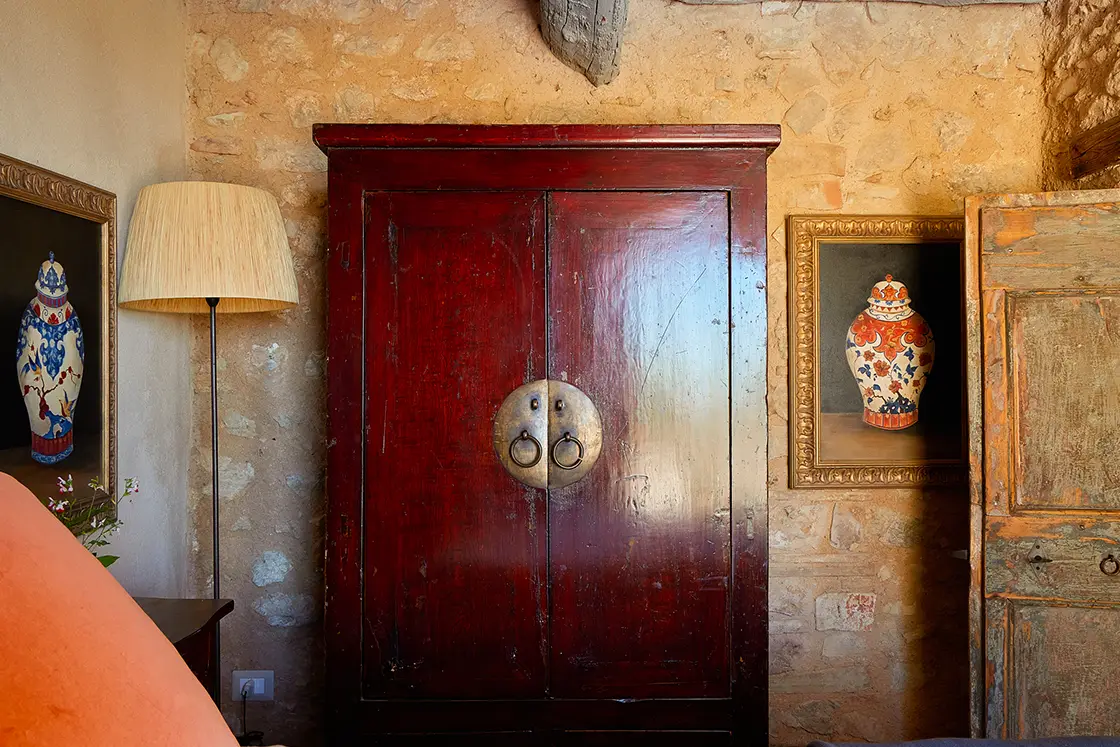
[
  {"x": 189, "y": 241},
  {"x": 207, "y": 247}
]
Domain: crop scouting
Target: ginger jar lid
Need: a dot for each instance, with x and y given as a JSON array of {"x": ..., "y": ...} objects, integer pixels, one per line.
[
  {"x": 889, "y": 296},
  {"x": 52, "y": 279}
]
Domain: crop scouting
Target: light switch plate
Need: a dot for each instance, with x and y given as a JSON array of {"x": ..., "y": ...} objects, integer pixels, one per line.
[{"x": 260, "y": 684}]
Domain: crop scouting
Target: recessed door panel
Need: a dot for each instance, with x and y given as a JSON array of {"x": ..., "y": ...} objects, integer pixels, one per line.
[
  {"x": 640, "y": 547},
  {"x": 454, "y": 548},
  {"x": 1060, "y": 680},
  {"x": 1065, "y": 352}
]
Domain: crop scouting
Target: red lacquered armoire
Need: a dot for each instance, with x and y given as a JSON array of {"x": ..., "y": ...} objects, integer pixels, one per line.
[{"x": 547, "y": 434}]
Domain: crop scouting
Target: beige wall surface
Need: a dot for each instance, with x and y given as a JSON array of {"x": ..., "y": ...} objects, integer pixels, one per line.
[
  {"x": 886, "y": 108},
  {"x": 95, "y": 90}
]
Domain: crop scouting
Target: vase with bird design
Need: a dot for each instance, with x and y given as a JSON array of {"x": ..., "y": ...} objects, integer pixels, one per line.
[{"x": 50, "y": 361}]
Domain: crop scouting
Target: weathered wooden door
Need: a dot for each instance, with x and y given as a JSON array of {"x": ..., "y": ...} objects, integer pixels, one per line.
[{"x": 1045, "y": 382}]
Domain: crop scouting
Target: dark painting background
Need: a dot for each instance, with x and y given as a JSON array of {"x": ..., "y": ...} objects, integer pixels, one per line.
[
  {"x": 932, "y": 274},
  {"x": 27, "y": 234}
]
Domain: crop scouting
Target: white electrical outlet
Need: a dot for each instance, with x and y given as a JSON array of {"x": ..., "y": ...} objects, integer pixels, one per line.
[{"x": 256, "y": 684}]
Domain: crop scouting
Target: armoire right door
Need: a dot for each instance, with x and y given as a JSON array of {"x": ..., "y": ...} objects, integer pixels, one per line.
[
  {"x": 640, "y": 549},
  {"x": 1044, "y": 351}
]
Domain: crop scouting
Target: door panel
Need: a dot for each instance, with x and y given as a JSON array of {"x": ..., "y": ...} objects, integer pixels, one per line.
[
  {"x": 1061, "y": 680},
  {"x": 1053, "y": 557},
  {"x": 1066, "y": 369},
  {"x": 1046, "y": 342},
  {"x": 454, "y": 548},
  {"x": 1073, "y": 238},
  {"x": 640, "y": 549}
]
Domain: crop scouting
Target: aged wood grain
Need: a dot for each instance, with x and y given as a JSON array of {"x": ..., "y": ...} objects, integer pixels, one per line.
[
  {"x": 997, "y": 435},
  {"x": 586, "y": 35},
  {"x": 973, "y": 389},
  {"x": 749, "y": 446},
  {"x": 1047, "y": 557},
  {"x": 1095, "y": 149},
  {"x": 1065, "y": 353},
  {"x": 342, "y": 568},
  {"x": 1038, "y": 248},
  {"x": 995, "y": 667},
  {"x": 1062, "y": 671},
  {"x": 1043, "y": 271}
]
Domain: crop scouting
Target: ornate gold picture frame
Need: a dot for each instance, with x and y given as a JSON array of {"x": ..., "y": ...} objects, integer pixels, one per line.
[
  {"x": 46, "y": 216},
  {"x": 843, "y": 430}
]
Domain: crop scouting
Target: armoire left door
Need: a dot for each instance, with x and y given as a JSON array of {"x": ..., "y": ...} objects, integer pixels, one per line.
[{"x": 454, "y": 602}]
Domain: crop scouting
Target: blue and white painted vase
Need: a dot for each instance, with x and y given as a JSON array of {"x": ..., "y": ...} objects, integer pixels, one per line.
[{"x": 50, "y": 359}]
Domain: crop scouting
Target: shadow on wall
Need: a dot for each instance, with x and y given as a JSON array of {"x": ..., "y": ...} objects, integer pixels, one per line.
[{"x": 935, "y": 668}]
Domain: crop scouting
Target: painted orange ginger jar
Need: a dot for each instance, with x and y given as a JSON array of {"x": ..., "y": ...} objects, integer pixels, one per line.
[{"x": 890, "y": 351}]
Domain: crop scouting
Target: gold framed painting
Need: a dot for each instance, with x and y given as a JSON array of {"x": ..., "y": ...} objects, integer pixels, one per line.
[
  {"x": 57, "y": 307},
  {"x": 876, "y": 351}
]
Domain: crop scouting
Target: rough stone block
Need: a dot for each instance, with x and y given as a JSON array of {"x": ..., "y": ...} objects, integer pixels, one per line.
[
  {"x": 784, "y": 652},
  {"x": 272, "y": 567},
  {"x": 286, "y": 610},
  {"x": 832, "y": 680},
  {"x": 843, "y": 645},
  {"x": 806, "y": 113},
  {"x": 447, "y": 47},
  {"x": 813, "y": 716},
  {"x": 846, "y": 529},
  {"x": 224, "y": 146},
  {"x": 227, "y": 58},
  {"x": 845, "y": 611}
]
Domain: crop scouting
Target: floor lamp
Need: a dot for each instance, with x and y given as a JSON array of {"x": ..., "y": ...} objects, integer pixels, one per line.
[{"x": 207, "y": 247}]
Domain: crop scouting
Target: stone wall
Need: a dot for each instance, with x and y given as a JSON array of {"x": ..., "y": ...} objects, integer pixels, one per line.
[
  {"x": 1082, "y": 82},
  {"x": 887, "y": 108}
]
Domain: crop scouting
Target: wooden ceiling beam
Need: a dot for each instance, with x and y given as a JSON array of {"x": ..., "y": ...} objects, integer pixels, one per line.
[{"x": 1096, "y": 148}]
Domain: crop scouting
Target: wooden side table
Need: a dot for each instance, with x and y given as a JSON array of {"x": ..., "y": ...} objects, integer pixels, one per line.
[{"x": 192, "y": 626}]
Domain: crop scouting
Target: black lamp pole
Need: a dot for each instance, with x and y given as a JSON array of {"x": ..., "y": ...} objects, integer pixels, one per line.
[{"x": 217, "y": 664}]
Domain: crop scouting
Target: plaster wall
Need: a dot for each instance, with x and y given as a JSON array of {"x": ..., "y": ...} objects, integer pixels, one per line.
[
  {"x": 887, "y": 108},
  {"x": 1082, "y": 82},
  {"x": 96, "y": 91}
]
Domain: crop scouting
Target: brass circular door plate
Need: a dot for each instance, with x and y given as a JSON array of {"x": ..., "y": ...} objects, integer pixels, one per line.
[{"x": 548, "y": 434}]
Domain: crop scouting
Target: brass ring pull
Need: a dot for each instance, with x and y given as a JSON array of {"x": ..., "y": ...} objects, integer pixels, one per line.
[
  {"x": 536, "y": 444},
  {"x": 1110, "y": 566},
  {"x": 579, "y": 444}
]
